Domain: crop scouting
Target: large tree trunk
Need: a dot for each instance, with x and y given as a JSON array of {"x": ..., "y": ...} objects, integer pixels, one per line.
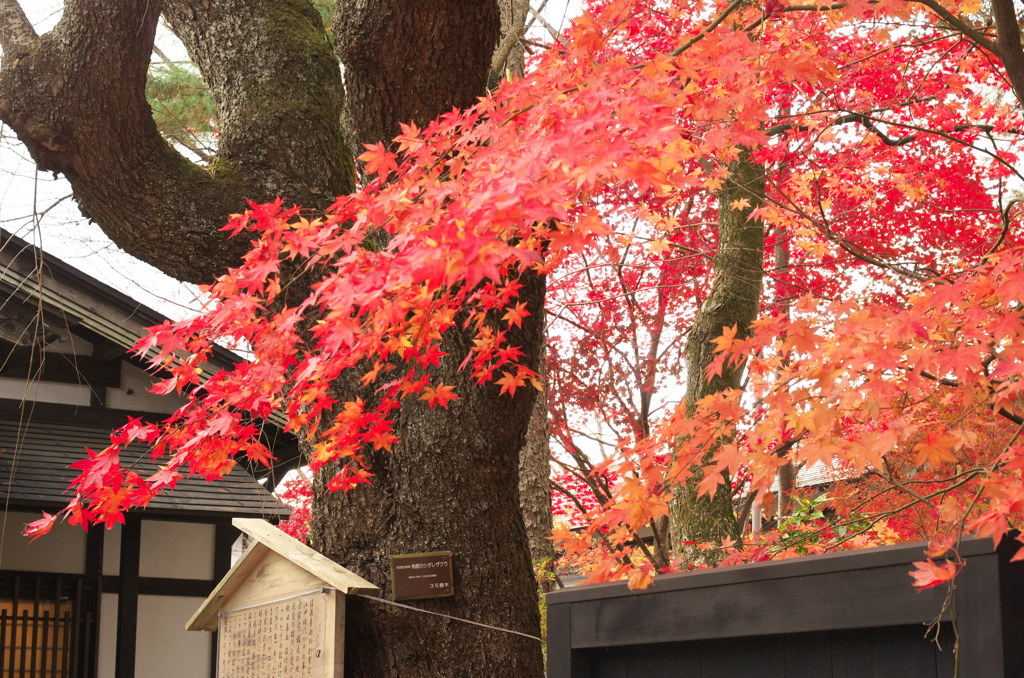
[
  {"x": 734, "y": 300},
  {"x": 450, "y": 484},
  {"x": 75, "y": 96}
]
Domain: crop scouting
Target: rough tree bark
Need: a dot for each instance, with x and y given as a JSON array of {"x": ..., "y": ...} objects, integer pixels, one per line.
[
  {"x": 75, "y": 97},
  {"x": 467, "y": 460},
  {"x": 535, "y": 487},
  {"x": 734, "y": 300}
]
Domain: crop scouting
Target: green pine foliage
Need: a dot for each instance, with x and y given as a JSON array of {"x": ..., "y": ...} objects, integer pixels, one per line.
[{"x": 183, "y": 108}]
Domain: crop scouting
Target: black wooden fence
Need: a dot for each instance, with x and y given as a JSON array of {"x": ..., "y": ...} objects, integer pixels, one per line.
[
  {"x": 47, "y": 626},
  {"x": 845, "y": 615}
]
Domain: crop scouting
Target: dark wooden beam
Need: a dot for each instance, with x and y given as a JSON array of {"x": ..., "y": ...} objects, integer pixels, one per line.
[
  {"x": 106, "y": 350},
  {"x": 128, "y": 597},
  {"x": 65, "y": 369},
  {"x": 94, "y": 575},
  {"x": 164, "y": 586},
  {"x": 226, "y": 535}
]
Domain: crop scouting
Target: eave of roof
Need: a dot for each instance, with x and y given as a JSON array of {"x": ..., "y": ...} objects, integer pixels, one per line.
[
  {"x": 28, "y": 272},
  {"x": 34, "y": 472}
]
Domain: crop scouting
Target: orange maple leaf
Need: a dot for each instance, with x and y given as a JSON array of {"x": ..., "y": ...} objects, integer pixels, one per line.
[
  {"x": 379, "y": 161},
  {"x": 515, "y": 315},
  {"x": 510, "y": 383},
  {"x": 936, "y": 449},
  {"x": 928, "y": 574},
  {"x": 438, "y": 396},
  {"x": 723, "y": 342}
]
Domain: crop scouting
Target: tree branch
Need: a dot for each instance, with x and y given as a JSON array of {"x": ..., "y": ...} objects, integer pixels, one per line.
[
  {"x": 959, "y": 25},
  {"x": 99, "y": 132},
  {"x": 710, "y": 27},
  {"x": 16, "y": 33},
  {"x": 1008, "y": 47}
]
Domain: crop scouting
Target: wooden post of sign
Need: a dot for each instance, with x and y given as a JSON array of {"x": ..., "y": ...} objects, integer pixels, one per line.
[{"x": 280, "y": 610}]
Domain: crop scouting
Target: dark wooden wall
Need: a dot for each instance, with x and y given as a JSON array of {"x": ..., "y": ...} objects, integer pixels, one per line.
[
  {"x": 846, "y": 615},
  {"x": 891, "y": 652}
]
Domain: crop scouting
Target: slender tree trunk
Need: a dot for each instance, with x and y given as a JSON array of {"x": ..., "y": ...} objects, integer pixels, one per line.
[
  {"x": 734, "y": 300},
  {"x": 535, "y": 491},
  {"x": 787, "y": 474}
]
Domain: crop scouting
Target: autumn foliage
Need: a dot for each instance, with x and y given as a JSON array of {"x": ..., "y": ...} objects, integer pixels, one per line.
[{"x": 889, "y": 344}]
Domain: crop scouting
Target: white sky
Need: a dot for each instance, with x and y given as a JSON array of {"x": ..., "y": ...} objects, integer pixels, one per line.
[{"x": 38, "y": 208}]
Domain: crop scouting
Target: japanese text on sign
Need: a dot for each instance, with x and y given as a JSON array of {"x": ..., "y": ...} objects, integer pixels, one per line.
[
  {"x": 283, "y": 639},
  {"x": 422, "y": 575}
]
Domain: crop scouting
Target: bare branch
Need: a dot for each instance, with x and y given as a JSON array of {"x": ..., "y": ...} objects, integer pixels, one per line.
[
  {"x": 710, "y": 27},
  {"x": 551, "y": 29}
]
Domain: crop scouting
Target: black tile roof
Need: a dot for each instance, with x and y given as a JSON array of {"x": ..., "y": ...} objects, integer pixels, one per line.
[{"x": 34, "y": 472}]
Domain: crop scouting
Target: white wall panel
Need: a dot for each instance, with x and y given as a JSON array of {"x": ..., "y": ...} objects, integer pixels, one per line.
[
  {"x": 177, "y": 550},
  {"x": 164, "y": 649},
  {"x": 134, "y": 394},
  {"x": 44, "y": 392},
  {"x": 62, "y": 550},
  {"x": 107, "y": 651}
]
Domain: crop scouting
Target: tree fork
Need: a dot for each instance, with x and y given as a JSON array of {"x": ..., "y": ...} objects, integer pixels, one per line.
[{"x": 76, "y": 97}]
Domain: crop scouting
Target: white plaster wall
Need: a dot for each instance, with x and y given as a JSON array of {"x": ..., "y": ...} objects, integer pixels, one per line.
[
  {"x": 112, "y": 551},
  {"x": 164, "y": 649},
  {"x": 177, "y": 550},
  {"x": 44, "y": 392},
  {"x": 133, "y": 394},
  {"x": 107, "y": 651},
  {"x": 62, "y": 550}
]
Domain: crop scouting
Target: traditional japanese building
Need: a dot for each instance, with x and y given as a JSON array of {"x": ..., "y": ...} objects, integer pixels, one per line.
[{"x": 98, "y": 603}]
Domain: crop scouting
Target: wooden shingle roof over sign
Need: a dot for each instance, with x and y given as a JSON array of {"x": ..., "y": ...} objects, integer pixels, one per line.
[
  {"x": 34, "y": 472},
  {"x": 279, "y": 612},
  {"x": 273, "y": 565}
]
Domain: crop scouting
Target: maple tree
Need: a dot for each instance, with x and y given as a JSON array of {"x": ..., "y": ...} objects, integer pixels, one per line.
[{"x": 868, "y": 146}]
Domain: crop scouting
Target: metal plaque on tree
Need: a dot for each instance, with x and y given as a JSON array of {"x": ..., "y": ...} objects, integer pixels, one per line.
[{"x": 422, "y": 575}]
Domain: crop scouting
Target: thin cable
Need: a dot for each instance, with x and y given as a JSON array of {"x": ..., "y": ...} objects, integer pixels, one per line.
[{"x": 447, "y": 616}]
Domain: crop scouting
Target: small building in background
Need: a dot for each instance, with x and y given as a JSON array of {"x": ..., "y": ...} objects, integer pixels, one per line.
[{"x": 99, "y": 603}]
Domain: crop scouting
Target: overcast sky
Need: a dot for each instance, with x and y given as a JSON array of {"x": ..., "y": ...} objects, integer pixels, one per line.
[{"x": 38, "y": 206}]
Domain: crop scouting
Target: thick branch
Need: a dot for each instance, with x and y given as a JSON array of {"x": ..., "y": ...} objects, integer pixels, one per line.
[
  {"x": 1008, "y": 44},
  {"x": 77, "y": 100},
  {"x": 959, "y": 25},
  {"x": 451, "y": 44},
  {"x": 16, "y": 33}
]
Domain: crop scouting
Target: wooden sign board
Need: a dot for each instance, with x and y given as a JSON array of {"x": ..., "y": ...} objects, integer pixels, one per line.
[
  {"x": 422, "y": 575},
  {"x": 280, "y": 610},
  {"x": 279, "y": 639}
]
